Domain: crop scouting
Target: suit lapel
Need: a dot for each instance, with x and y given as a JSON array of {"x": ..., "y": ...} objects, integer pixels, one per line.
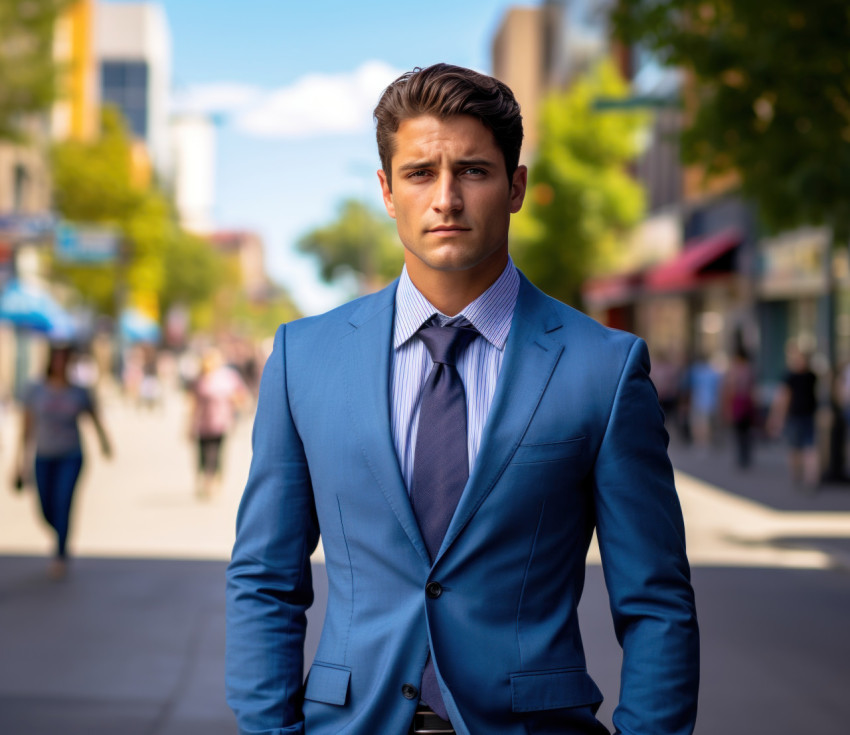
[
  {"x": 531, "y": 355},
  {"x": 367, "y": 349}
]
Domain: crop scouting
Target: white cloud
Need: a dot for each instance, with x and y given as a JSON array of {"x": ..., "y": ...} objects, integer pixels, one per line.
[
  {"x": 217, "y": 99},
  {"x": 316, "y": 104}
]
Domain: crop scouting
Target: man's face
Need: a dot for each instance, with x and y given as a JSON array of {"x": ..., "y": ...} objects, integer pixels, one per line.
[{"x": 450, "y": 196}]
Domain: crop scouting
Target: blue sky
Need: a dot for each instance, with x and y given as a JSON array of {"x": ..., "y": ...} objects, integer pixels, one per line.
[{"x": 296, "y": 82}]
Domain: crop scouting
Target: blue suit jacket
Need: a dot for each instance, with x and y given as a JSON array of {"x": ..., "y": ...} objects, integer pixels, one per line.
[{"x": 574, "y": 440}]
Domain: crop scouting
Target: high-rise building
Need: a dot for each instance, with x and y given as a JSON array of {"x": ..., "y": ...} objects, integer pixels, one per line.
[
  {"x": 541, "y": 48},
  {"x": 76, "y": 110},
  {"x": 133, "y": 45},
  {"x": 521, "y": 56},
  {"x": 194, "y": 170}
]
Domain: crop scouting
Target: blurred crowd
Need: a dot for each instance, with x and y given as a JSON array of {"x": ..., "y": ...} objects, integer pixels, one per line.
[
  {"x": 218, "y": 382},
  {"x": 713, "y": 402}
]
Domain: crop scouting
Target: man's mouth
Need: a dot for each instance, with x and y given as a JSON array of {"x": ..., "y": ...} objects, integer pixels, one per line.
[{"x": 449, "y": 228}]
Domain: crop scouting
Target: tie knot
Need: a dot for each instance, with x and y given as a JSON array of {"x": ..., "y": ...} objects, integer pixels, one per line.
[{"x": 444, "y": 344}]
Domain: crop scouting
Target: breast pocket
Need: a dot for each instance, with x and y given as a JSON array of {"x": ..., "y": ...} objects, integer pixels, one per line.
[{"x": 549, "y": 451}]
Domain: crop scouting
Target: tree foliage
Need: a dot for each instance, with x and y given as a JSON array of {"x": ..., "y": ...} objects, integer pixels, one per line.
[
  {"x": 94, "y": 184},
  {"x": 193, "y": 272},
  {"x": 360, "y": 241},
  {"x": 581, "y": 199},
  {"x": 28, "y": 74},
  {"x": 772, "y": 96}
]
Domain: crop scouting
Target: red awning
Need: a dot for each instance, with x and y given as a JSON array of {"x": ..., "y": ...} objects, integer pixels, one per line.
[
  {"x": 603, "y": 292},
  {"x": 697, "y": 262}
]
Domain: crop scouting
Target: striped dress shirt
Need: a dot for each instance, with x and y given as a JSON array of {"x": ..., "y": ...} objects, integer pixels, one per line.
[{"x": 479, "y": 364}]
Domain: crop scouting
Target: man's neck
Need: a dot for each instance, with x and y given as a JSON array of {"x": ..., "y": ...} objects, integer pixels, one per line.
[{"x": 451, "y": 291}]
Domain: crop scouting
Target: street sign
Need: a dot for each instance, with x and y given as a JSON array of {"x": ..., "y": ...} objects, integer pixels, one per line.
[{"x": 87, "y": 243}]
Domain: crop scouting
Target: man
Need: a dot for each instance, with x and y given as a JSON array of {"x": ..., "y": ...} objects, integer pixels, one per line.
[{"x": 455, "y": 438}]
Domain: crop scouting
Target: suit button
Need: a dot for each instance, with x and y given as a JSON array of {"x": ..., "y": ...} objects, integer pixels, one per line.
[
  {"x": 434, "y": 590},
  {"x": 409, "y": 691}
]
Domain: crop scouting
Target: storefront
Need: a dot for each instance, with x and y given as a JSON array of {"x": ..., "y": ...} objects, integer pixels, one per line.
[{"x": 790, "y": 286}]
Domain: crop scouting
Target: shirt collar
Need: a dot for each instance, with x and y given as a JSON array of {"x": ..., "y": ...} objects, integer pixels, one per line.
[{"x": 491, "y": 313}]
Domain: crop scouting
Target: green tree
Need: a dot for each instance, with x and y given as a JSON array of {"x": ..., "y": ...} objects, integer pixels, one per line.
[
  {"x": 260, "y": 319},
  {"x": 93, "y": 184},
  {"x": 581, "y": 199},
  {"x": 769, "y": 100},
  {"x": 193, "y": 271},
  {"x": 27, "y": 69},
  {"x": 771, "y": 97},
  {"x": 359, "y": 241},
  {"x": 93, "y": 181}
]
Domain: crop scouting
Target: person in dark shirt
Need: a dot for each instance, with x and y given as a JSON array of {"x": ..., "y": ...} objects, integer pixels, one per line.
[
  {"x": 794, "y": 409},
  {"x": 50, "y": 443}
]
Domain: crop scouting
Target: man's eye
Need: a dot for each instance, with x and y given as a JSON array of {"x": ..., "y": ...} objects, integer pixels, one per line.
[
  {"x": 476, "y": 171},
  {"x": 417, "y": 174}
]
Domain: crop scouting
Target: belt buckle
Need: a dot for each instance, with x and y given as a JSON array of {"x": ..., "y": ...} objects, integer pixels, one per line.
[{"x": 427, "y": 722}]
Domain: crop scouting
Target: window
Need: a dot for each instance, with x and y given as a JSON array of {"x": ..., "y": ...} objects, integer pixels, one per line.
[{"x": 125, "y": 85}]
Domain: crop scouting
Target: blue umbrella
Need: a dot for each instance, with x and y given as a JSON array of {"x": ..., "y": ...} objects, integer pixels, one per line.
[
  {"x": 31, "y": 308},
  {"x": 137, "y": 327}
]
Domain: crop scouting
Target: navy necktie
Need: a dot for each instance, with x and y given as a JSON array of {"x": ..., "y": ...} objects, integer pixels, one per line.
[{"x": 441, "y": 459}]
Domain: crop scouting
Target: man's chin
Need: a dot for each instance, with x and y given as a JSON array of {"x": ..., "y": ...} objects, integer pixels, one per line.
[{"x": 456, "y": 260}]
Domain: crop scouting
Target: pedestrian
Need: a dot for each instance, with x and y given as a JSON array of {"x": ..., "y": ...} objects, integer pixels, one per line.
[
  {"x": 793, "y": 410},
  {"x": 50, "y": 433},
  {"x": 667, "y": 380},
  {"x": 150, "y": 387},
  {"x": 705, "y": 382},
  {"x": 739, "y": 405},
  {"x": 216, "y": 396},
  {"x": 455, "y": 438}
]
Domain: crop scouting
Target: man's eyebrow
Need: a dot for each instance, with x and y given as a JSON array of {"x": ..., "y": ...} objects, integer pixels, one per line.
[
  {"x": 415, "y": 165},
  {"x": 463, "y": 162},
  {"x": 475, "y": 162}
]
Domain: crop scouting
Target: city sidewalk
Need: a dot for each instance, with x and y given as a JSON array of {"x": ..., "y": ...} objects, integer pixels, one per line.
[
  {"x": 132, "y": 641},
  {"x": 768, "y": 483},
  {"x": 121, "y": 646}
]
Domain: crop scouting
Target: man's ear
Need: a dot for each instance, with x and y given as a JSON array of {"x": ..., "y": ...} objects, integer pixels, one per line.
[
  {"x": 386, "y": 192},
  {"x": 519, "y": 182}
]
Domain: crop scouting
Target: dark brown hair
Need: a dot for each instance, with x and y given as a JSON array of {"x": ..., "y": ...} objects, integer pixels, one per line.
[
  {"x": 58, "y": 357},
  {"x": 444, "y": 90}
]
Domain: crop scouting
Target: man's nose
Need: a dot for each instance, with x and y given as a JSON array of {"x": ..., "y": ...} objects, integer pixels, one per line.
[{"x": 447, "y": 195}]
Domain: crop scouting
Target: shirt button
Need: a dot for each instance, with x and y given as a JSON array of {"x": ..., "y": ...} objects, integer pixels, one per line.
[
  {"x": 434, "y": 590},
  {"x": 409, "y": 691}
]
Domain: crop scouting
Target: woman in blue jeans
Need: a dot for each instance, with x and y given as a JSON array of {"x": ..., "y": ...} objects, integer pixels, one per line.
[{"x": 50, "y": 429}]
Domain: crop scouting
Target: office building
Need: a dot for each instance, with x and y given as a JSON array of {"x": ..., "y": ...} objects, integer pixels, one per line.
[
  {"x": 133, "y": 46},
  {"x": 194, "y": 171}
]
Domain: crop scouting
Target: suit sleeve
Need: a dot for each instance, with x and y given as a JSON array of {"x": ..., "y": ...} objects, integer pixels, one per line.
[
  {"x": 269, "y": 582},
  {"x": 642, "y": 542}
]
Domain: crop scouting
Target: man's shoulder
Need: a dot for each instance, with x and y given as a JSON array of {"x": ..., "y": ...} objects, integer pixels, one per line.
[
  {"x": 343, "y": 318},
  {"x": 576, "y": 325}
]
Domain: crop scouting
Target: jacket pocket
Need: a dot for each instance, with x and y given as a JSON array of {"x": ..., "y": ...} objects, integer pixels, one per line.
[
  {"x": 543, "y": 690},
  {"x": 549, "y": 452},
  {"x": 327, "y": 683}
]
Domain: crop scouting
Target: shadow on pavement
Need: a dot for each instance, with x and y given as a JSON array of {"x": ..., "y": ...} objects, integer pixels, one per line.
[{"x": 121, "y": 646}]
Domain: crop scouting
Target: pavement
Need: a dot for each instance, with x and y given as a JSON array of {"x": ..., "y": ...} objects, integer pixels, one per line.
[
  {"x": 132, "y": 640},
  {"x": 767, "y": 483}
]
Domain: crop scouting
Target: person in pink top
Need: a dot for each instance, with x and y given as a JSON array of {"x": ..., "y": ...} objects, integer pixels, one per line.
[{"x": 217, "y": 395}]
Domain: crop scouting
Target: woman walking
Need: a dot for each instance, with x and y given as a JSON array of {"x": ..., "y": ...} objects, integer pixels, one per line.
[
  {"x": 739, "y": 399},
  {"x": 217, "y": 395},
  {"x": 51, "y": 433}
]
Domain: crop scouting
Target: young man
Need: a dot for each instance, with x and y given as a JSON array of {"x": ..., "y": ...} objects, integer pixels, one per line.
[{"x": 455, "y": 439}]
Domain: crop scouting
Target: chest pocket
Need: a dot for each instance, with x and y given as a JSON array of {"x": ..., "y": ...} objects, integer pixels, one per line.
[{"x": 549, "y": 451}]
